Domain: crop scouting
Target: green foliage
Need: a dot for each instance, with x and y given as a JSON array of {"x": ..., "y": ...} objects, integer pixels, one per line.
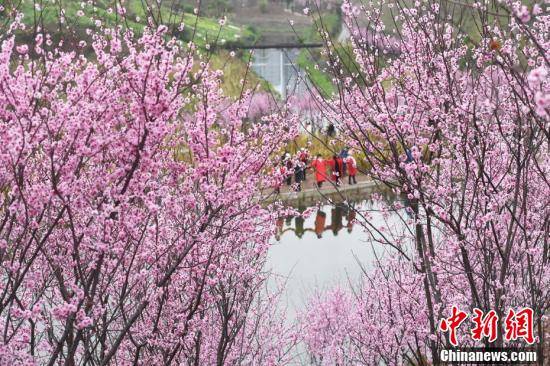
[
  {"x": 263, "y": 6},
  {"x": 234, "y": 70},
  {"x": 330, "y": 22},
  {"x": 218, "y": 8},
  {"x": 316, "y": 76},
  {"x": 201, "y": 29}
]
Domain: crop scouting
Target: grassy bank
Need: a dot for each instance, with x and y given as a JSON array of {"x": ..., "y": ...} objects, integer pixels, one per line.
[{"x": 74, "y": 18}]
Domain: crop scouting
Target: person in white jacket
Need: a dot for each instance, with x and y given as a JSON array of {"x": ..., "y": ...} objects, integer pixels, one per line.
[{"x": 352, "y": 169}]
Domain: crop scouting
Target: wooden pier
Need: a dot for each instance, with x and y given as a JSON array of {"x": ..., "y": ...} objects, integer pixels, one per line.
[{"x": 329, "y": 193}]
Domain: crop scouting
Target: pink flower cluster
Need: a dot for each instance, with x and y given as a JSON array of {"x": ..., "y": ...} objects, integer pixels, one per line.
[
  {"x": 131, "y": 216},
  {"x": 458, "y": 131}
]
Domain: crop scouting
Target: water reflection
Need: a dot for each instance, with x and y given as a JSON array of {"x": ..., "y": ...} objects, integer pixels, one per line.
[
  {"x": 322, "y": 250},
  {"x": 342, "y": 215}
]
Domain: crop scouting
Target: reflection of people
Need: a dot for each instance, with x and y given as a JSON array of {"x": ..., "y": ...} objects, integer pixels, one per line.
[
  {"x": 299, "y": 226},
  {"x": 351, "y": 219},
  {"x": 279, "y": 225},
  {"x": 336, "y": 219},
  {"x": 320, "y": 220},
  {"x": 288, "y": 220}
]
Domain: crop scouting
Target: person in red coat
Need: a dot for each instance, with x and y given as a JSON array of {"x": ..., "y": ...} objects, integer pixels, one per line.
[
  {"x": 352, "y": 169},
  {"x": 319, "y": 166}
]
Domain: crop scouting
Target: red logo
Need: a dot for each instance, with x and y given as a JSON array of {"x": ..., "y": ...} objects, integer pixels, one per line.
[
  {"x": 485, "y": 326},
  {"x": 517, "y": 325},
  {"x": 452, "y": 323}
]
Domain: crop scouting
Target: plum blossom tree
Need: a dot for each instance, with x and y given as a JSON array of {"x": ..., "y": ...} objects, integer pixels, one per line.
[
  {"x": 131, "y": 224},
  {"x": 370, "y": 325},
  {"x": 310, "y": 114},
  {"x": 261, "y": 104},
  {"x": 456, "y": 123}
]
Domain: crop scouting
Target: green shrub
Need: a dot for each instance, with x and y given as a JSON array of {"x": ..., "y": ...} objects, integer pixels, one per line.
[{"x": 263, "y": 6}]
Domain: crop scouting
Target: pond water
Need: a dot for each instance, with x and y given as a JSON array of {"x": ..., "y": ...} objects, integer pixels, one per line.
[{"x": 324, "y": 250}]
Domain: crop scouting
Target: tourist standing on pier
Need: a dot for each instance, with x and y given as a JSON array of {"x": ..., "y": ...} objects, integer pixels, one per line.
[
  {"x": 336, "y": 165},
  {"x": 279, "y": 165},
  {"x": 303, "y": 156},
  {"x": 299, "y": 174},
  {"x": 289, "y": 169},
  {"x": 319, "y": 166},
  {"x": 352, "y": 169},
  {"x": 344, "y": 156}
]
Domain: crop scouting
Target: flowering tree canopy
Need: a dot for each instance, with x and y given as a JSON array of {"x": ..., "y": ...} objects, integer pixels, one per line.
[
  {"x": 456, "y": 122},
  {"x": 131, "y": 224}
]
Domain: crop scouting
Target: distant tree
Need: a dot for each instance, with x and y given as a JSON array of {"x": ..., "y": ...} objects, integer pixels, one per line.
[
  {"x": 218, "y": 8},
  {"x": 263, "y": 5}
]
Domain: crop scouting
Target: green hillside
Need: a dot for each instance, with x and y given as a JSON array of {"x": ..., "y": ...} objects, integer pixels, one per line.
[{"x": 72, "y": 17}]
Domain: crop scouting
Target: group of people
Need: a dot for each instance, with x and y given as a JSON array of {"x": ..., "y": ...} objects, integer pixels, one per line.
[
  {"x": 295, "y": 166},
  {"x": 339, "y": 166},
  {"x": 333, "y": 169}
]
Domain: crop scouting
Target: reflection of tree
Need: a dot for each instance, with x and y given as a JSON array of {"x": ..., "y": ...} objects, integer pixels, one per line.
[{"x": 288, "y": 220}]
